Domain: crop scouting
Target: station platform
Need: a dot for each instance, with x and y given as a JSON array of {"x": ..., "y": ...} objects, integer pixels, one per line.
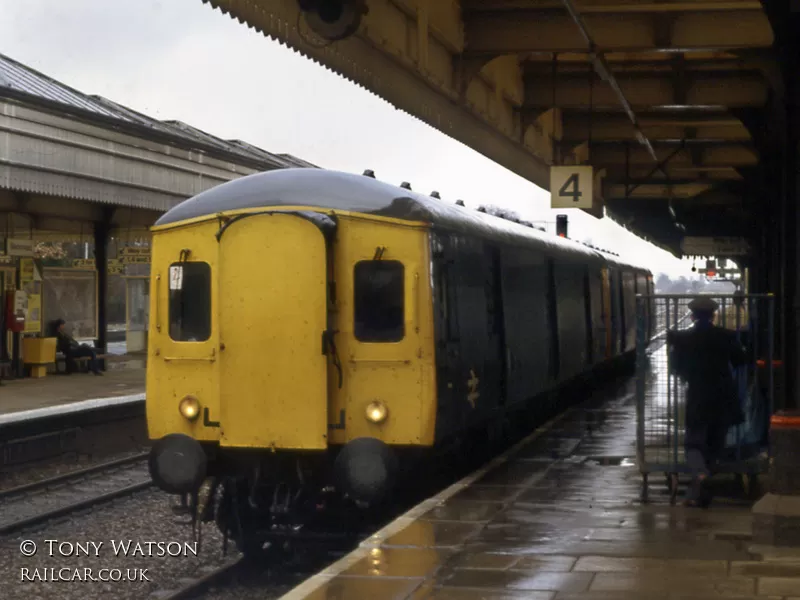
[
  {"x": 558, "y": 517},
  {"x": 18, "y": 395}
]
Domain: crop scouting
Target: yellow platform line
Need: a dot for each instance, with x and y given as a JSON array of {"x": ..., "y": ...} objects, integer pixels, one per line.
[{"x": 312, "y": 584}]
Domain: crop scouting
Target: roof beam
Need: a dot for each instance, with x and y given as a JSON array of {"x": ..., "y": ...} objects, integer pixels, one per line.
[
  {"x": 667, "y": 142},
  {"x": 648, "y": 67},
  {"x": 712, "y": 157},
  {"x": 642, "y": 92},
  {"x": 578, "y": 127},
  {"x": 662, "y": 190},
  {"x": 638, "y": 27},
  {"x": 634, "y": 173},
  {"x": 604, "y": 6}
]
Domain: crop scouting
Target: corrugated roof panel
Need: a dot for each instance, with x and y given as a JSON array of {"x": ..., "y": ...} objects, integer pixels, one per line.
[
  {"x": 16, "y": 76},
  {"x": 199, "y": 135},
  {"x": 20, "y": 78}
]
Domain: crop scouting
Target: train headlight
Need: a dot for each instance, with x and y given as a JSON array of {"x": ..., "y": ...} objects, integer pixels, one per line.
[
  {"x": 377, "y": 412},
  {"x": 189, "y": 408}
]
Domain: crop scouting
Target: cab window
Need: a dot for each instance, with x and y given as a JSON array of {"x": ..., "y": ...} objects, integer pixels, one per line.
[
  {"x": 379, "y": 292},
  {"x": 190, "y": 301}
]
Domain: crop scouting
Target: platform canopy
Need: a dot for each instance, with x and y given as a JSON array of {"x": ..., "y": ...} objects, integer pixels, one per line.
[{"x": 679, "y": 102}]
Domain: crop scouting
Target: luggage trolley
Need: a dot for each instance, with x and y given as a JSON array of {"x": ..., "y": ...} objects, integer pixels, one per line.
[{"x": 660, "y": 393}]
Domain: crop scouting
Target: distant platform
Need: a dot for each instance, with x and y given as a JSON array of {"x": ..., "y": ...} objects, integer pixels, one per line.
[{"x": 18, "y": 395}]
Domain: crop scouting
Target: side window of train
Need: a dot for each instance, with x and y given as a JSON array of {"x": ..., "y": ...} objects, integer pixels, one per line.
[
  {"x": 379, "y": 292},
  {"x": 190, "y": 301}
]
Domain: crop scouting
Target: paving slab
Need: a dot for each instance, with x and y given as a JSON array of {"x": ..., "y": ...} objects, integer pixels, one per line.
[
  {"x": 560, "y": 519},
  {"x": 27, "y": 394}
]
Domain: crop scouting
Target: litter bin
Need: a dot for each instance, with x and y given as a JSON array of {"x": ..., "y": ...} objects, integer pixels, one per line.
[{"x": 37, "y": 353}]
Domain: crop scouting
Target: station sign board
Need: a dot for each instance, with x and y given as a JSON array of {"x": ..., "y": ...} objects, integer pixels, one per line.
[
  {"x": 577, "y": 186},
  {"x": 715, "y": 246},
  {"x": 135, "y": 260},
  {"x": 572, "y": 187},
  {"x": 134, "y": 251},
  {"x": 83, "y": 263},
  {"x": 134, "y": 255},
  {"x": 19, "y": 247},
  {"x": 115, "y": 266}
]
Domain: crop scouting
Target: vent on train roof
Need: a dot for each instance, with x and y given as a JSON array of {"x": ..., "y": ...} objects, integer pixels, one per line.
[
  {"x": 435, "y": 194},
  {"x": 369, "y": 173},
  {"x": 405, "y": 185}
]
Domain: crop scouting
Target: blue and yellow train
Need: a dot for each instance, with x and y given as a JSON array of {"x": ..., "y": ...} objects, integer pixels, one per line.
[{"x": 311, "y": 331}]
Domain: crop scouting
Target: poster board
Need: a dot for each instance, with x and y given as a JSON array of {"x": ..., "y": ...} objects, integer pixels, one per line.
[
  {"x": 31, "y": 283},
  {"x": 71, "y": 294}
]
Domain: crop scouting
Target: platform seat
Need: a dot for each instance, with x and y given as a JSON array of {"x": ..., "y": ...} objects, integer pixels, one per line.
[{"x": 82, "y": 362}]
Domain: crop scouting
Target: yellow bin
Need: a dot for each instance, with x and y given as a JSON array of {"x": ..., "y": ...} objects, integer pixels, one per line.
[{"x": 37, "y": 353}]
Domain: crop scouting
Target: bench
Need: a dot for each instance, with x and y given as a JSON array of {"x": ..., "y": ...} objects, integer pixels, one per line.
[{"x": 81, "y": 362}]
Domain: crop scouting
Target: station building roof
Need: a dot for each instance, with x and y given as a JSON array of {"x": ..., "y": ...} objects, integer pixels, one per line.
[
  {"x": 69, "y": 159},
  {"x": 18, "y": 81}
]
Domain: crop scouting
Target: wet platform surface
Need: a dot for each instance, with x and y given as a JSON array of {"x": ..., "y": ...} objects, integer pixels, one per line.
[
  {"x": 561, "y": 519},
  {"x": 26, "y": 394}
]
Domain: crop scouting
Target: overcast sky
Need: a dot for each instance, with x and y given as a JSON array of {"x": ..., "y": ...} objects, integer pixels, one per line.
[{"x": 179, "y": 59}]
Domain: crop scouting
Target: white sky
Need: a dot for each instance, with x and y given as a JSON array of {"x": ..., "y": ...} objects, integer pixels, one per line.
[{"x": 179, "y": 59}]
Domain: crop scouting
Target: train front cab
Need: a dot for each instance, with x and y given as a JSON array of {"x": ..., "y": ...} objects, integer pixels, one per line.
[
  {"x": 269, "y": 337},
  {"x": 235, "y": 346}
]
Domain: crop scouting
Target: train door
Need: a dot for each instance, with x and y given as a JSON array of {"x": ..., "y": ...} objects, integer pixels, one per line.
[
  {"x": 588, "y": 302},
  {"x": 385, "y": 335},
  {"x": 613, "y": 279},
  {"x": 641, "y": 289},
  {"x": 527, "y": 331},
  {"x": 604, "y": 327},
  {"x": 273, "y": 314},
  {"x": 496, "y": 362},
  {"x": 552, "y": 320},
  {"x": 183, "y": 341},
  {"x": 628, "y": 300}
]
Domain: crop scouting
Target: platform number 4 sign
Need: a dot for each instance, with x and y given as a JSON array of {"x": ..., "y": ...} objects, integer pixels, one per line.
[
  {"x": 176, "y": 277},
  {"x": 571, "y": 187}
]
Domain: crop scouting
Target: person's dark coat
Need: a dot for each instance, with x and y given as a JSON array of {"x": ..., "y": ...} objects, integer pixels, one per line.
[
  {"x": 703, "y": 356},
  {"x": 65, "y": 343}
]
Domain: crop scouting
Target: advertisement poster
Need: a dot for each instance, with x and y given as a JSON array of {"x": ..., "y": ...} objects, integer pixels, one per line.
[{"x": 31, "y": 283}]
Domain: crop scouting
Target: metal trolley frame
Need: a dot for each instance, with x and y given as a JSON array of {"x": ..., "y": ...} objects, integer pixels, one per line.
[{"x": 660, "y": 393}]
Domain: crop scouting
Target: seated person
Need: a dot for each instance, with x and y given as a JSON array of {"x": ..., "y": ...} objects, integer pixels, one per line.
[{"x": 67, "y": 345}]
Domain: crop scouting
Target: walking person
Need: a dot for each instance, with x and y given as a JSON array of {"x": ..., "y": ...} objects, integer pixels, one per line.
[{"x": 704, "y": 356}]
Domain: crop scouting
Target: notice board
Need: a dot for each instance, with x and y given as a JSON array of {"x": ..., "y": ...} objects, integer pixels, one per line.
[{"x": 71, "y": 294}]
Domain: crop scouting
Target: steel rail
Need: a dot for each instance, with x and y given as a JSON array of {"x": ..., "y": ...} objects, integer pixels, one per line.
[{"x": 66, "y": 477}]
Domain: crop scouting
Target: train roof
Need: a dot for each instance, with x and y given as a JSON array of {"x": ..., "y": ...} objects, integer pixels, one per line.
[{"x": 335, "y": 190}]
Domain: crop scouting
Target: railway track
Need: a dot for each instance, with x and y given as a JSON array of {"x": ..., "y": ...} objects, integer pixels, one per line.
[
  {"x": 196, "y": 587},
  {"x": 36, "y": 503}
]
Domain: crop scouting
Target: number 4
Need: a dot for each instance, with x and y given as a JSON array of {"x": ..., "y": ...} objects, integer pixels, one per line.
[{"x": 573, "y": 181}]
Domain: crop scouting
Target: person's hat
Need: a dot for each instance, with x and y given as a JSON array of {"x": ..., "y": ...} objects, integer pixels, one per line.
[{"x": 703, "y": 305}]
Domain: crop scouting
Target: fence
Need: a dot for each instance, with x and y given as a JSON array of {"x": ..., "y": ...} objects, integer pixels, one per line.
[{"x": 661, "y": 394}]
